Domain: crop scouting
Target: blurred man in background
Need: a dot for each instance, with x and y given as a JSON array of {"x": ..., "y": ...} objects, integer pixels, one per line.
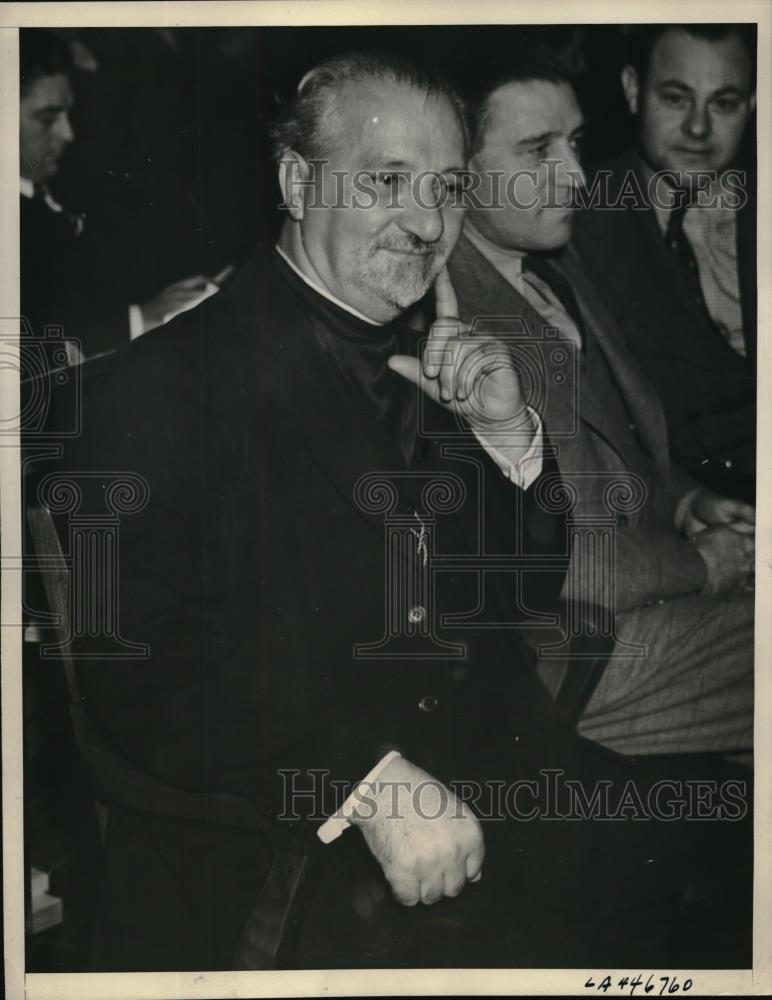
[
  {"x": 70, "y": 315},
  {"x": 670, "y": 239},
  {"x": 65, "y": 280}
]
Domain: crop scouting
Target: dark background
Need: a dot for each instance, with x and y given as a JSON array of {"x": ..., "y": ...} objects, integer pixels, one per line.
[{"x": 170, "y": 162}]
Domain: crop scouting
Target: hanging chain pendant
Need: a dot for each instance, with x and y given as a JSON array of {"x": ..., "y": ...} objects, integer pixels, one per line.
[{"x": 421, "y": 548}]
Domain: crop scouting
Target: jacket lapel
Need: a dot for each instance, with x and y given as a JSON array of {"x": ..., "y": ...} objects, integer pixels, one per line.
[
  {"x": 633, "y": 244},
  {"x": 483, "y": 292},
  {"x": 638, "y": 394},
  {"x": 490, "y": 304}
]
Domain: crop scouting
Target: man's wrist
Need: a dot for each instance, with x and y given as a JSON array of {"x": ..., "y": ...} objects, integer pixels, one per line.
[
  {"x": 344, "y": 817},
  {"x": 520, "y": 428},
  {"x": 517, "y": 449},
  {"x": 710, "y": 586}
]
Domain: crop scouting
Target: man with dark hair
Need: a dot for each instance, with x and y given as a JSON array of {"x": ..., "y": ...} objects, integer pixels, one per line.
[
  {"x": 681, "y": 677},
  {"x": 305, "y": 469},
  {"x": 644, "y": 38},
  {"x": 63, "y": 282},
  {"x": 670, "y": 240}
]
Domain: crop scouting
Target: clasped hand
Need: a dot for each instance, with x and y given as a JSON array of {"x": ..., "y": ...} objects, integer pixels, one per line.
[
  {"x": 427, "y": 842},
  {"x": 723, "y": 530}
]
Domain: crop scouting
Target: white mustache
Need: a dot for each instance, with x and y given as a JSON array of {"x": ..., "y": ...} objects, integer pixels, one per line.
[{"x": 424, "y": 249}]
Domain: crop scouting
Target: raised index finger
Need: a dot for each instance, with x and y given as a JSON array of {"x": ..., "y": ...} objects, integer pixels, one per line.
[{"x": 445, "y": 297}]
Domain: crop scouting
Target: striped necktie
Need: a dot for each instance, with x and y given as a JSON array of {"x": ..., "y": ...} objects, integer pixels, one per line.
[{"x": 548, "y": 306}]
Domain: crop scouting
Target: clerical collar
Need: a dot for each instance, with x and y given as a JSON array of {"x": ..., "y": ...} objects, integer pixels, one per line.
[
  {"x": 359, "y": 351},
  {"x": 26, "y": 187},
  {"x": 509, "y": 263},
  {"x": 323, "y": 291}
]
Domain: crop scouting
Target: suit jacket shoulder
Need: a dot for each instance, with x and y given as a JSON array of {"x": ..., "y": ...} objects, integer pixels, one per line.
[
  {"x": 707, "y": 389},
  {"x": 59, "y": 288},
  {"x": 592, "y": 423}
]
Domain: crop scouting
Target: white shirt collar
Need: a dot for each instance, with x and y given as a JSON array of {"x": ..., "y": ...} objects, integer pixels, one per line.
[
  {"x": 27, "y": 189},
  {"x": 323, "y": 291},
  {"x": 697, "y": 214}
]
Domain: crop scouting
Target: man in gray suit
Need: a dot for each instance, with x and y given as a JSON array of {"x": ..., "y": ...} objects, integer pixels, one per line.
[{"x": 671, "y": 559}]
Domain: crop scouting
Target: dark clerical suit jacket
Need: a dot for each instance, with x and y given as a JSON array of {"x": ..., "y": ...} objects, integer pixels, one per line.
[
  {"x": 290, "y": 629},
  {"x": 708, "y": 390},
  {"x": 64, "y": 286}
]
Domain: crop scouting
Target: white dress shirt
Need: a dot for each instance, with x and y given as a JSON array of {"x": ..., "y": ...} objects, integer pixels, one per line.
[
  {"x": 537, "y": 293},
  {"x": 712, "y": 234}
]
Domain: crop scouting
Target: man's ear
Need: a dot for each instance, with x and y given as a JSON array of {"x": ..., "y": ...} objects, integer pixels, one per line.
[
  {"x": 630, "y": 87},
  {"x": 752, "y": 102},
  {"x": 294, "y": 178}
]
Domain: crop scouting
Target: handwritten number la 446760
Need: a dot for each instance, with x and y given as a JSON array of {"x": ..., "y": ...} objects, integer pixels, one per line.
[{"x": 668, "y": 984}]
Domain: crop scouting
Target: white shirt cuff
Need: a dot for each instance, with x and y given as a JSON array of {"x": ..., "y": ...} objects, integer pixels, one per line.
[
  {"x": 524, "y": 469},
  {"x": 332, "y": 828},
  {"x": 136, "y": 324}
]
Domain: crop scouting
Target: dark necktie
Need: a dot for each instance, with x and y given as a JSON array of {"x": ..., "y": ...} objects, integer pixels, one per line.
[{"x": 678, "y": 243}]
